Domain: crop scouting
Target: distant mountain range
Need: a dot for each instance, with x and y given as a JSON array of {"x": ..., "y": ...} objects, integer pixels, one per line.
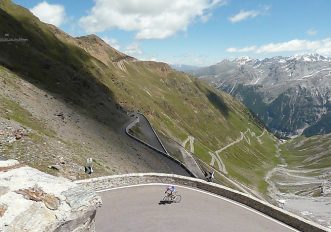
[{"x": 291, "y": 95}]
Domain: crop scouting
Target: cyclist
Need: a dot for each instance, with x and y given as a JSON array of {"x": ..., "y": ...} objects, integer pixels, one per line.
[
  {"x": 210, "y": 176},
  {"x": 170, "y": 190}
]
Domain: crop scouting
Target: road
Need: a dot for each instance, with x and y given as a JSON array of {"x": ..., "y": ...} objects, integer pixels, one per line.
[
  {"x": 138, "y": 209},
  {"x": 155, "y": 160},
  {"x": 147, "y": 131},
  {"x": 189, "y": 160}
]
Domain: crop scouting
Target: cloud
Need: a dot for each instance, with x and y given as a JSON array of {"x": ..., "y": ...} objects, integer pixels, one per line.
[
  {"x": 133, "y": 49},
  {"x": 243, "y": 15},
  {"x": 50, "y": 13},
  {"x": 311, "y": 32},
  {"x": 151, "y": 19},
  {"x": 319, "y": 46},
  {"x": 246, "y": 14},
  {"x": 112, "y": 42},
  {"x": 244, "y": 49}
]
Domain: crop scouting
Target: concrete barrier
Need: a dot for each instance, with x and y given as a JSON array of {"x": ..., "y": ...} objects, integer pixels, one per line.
[{"x": 108, "y": 182}]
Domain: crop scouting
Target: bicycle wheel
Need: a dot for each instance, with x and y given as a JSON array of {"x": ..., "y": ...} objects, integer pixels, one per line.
[
  {"x": 166, "y": 198},
  {"x": 178, "y": 198}
]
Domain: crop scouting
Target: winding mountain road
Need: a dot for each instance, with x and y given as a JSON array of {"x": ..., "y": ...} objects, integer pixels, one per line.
[
  {"x": 154, "y": 159},
  {"x": 216, "y": 157},
  {"x": 138, "y": 208}
]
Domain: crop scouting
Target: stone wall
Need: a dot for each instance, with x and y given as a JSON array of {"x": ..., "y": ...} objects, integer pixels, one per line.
[{"x": 104, "y": 183}]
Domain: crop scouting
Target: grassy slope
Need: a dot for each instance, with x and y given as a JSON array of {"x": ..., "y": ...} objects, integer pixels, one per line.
[
  {"x": 176, "y": 104},
  {"x": 310, "y": 153},
  {"x": 57, "y": 66},
  {"x": 307, "y": 159},
  {"x": 37, "y": 148}
]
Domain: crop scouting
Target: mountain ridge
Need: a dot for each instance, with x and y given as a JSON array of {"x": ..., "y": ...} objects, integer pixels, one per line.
[{"x": 278, "y": 85}]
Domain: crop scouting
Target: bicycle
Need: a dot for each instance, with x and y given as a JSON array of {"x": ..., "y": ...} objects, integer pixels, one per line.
[{"x": 174, "y": 197}]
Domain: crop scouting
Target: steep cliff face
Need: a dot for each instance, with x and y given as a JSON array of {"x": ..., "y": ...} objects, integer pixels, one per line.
[
  {"x": 31, "y": 200},
  {"x": 290, "y": 94}
]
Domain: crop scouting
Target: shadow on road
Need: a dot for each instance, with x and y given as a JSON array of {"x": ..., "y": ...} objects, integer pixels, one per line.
[{"x": 165, "y": 202}]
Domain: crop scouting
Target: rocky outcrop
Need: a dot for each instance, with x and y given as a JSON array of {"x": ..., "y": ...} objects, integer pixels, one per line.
[{"x": 31, "y": 200}]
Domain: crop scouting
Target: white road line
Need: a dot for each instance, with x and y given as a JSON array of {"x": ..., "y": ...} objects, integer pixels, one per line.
[{"x": 210, "y": 194}]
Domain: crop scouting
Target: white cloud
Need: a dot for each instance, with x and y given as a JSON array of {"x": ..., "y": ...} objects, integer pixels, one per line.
[
  {"x": 112, "y": 42},
  {"x": 244, "y": 49},
  {"x": 289, "y": 46},
  {"x": 320, "y": 46},
  {"x": 49, "y": 13},
  {"x": 246, "y": 14},
  {"x": 151, "y": 19},
  {"x": 312, "y": 32},
  {"x": 133, "y": 49},
  {"x": 243, "y": 15}
]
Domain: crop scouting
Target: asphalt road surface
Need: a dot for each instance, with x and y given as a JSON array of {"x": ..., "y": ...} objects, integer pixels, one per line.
[
  {"x": 155, "y": 160},
  {"x": 138, "y": 209}
]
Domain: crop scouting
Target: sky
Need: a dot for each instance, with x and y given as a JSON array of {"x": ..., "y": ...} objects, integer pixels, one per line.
[{"x": 195, "y": 32}]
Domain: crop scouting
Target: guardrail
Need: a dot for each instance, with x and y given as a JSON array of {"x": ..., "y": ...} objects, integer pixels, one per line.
[{"x": 108, "y": 182}]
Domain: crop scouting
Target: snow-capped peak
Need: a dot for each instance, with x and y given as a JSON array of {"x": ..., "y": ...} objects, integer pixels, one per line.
[
  {"x": 243, "y": 60},
  {"x": 311, "y": 57}
]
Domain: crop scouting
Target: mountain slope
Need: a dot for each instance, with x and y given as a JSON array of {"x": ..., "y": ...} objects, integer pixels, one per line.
[
  {"x": 289, "y": 94},
  {"x": 105, "y": 84},
  {"x": 82, "y": 113}
]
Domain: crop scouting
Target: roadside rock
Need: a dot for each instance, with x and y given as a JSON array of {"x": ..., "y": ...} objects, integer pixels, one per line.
[
  {"x": 8, "y": 163},
  {"x": 326, "y": 189},
  {"x": 34, "y": 201},
  {"x": 37, "y": 194},
  {"x": 3, "y": 209},
  {"x": 3, "y": 190},
  {"x": 55, "y": 167},
  {"x": 19, "y": 134}
]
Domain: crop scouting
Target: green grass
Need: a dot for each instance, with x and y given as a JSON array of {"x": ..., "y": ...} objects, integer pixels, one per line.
[
  {"x": 298, "y": 152},
  {"x": 13, "y": 111}
]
